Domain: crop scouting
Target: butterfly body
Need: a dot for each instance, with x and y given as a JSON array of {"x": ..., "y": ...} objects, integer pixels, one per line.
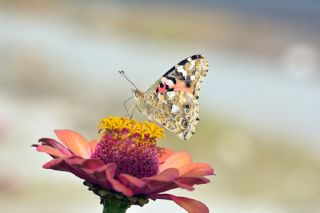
[{"x": 172, "y": 101}]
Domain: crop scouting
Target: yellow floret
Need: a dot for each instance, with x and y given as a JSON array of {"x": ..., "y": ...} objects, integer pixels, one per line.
[{"x": 133, "y": 126}]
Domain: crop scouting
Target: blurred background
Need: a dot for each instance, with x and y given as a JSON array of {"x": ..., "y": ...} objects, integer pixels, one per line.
[{"x": 259, "y": 104}]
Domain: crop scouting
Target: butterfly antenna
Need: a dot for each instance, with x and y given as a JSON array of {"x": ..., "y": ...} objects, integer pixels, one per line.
[{"x": 127, "y": 78}]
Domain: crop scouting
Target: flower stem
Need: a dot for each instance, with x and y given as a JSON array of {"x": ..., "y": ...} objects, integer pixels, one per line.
[
  {"x": 114, "y": 206},
  {"x": 115, "y": 202}
]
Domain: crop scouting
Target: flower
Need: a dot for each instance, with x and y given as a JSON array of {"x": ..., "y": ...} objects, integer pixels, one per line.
[{"x": 126, "y": 165}]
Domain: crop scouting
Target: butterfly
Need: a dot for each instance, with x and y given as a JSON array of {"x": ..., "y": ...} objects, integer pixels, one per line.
[{"x": 172, "y": 101}]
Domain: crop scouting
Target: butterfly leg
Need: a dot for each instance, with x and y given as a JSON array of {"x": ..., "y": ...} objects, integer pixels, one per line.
[
  {"x": 125, "y": 102},
  {"x": 132, "y": 111}
]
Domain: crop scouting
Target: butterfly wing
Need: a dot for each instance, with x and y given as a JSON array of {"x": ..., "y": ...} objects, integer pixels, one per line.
[{"x": 174, "y": 97}]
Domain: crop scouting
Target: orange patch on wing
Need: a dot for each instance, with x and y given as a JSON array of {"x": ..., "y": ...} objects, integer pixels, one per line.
[
  {"x": 161, "y": 90},
  {"x": 181, "y": 86}
]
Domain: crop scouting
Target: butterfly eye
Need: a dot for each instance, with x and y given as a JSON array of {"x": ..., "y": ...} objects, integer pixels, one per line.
[{"x": 185, "y": 123}]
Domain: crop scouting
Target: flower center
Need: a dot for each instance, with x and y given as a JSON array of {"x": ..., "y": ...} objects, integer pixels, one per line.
[{"x": 129, "y": 144}]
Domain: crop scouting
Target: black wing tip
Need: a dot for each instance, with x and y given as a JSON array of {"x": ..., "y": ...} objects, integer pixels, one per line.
[
  {"x": 183, "y": 62},
  {"x": 196, "y": 56},
  {"x": 193, "y": 57}
]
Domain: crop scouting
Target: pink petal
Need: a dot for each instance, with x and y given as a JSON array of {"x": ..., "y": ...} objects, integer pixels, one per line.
[
  {"x": 91, "y": 164},
  {"x": 75, "y": 142},
  {"x": 189, "y": 182},
  {"x": 184, "y": 186},
  {"x": 165, "y": 153},
  {"x": 167, "y": 175},
  {"x": 161, "y": 182},
  {"x": 93, "y": 145},
  {"x": 132, "y": 182},
  {"x": 55, "y": 144},
  {"x": 91, "y": 170},
  {"x": 116, "y": 185},
  {"x": 51, "y": 151},
  {"x": 104, "y": 176},
  {"x": 76, "y": 166},
  {"x": 190, "y": 205},
  {"x": 196, "y": 169},
  {"x": 53, "y": 163},
  {"x": 176, "y": 160}
]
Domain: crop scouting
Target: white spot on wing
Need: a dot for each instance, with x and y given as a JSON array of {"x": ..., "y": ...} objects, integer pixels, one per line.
[
  {"x": 169, "y": 82},
  {"x": 181, "y": 70},
  {"x": 171, "y": 95},
  {"x": 175, "y": 109}
]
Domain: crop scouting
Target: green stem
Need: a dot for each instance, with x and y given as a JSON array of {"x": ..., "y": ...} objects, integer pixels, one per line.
[
  {"x": 115, "y": 202},
  {"x": 114, "y": 206}
]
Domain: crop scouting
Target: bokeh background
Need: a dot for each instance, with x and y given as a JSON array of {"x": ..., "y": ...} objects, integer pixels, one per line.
[{"x": 260, "y": 102}]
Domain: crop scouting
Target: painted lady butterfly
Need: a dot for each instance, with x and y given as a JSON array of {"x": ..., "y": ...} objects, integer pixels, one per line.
[{"x": 172, "y": 101}]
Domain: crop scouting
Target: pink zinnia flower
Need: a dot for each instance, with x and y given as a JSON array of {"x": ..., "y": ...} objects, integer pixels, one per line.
[{"x": 125, "y": 167}]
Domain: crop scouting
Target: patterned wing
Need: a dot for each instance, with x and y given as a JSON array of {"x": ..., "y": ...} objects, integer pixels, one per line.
[{"x": 173, "y": 99}]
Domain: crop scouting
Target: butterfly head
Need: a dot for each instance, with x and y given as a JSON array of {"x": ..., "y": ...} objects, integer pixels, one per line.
[{"x": 137, "y": 94}]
